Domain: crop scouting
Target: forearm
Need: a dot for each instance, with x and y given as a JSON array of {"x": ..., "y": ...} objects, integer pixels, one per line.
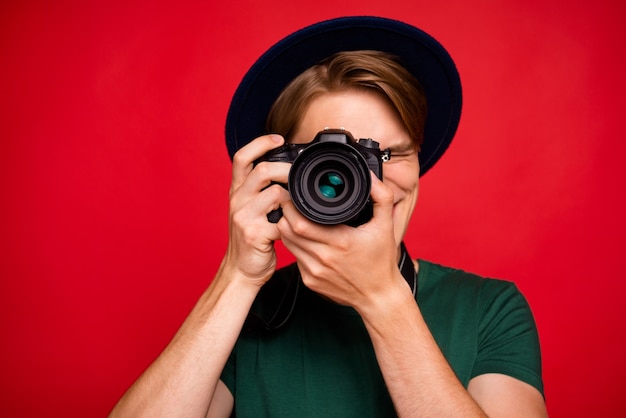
[
  {"x": 182, "y": 379},
  {"x": 417, "y": 375}
]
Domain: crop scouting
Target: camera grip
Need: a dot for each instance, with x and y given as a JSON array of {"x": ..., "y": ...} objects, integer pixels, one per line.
[{"x": 275, "y": 215}]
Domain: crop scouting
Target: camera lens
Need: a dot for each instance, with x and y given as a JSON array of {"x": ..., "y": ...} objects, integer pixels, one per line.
[{"x": 330, "y": 183}]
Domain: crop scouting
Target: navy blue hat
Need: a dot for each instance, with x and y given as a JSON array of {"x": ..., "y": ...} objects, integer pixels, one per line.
[{"x": 420, "y": 54}]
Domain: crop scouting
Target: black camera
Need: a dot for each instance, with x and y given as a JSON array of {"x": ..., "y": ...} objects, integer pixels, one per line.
[{"x": 329, "y": 180}]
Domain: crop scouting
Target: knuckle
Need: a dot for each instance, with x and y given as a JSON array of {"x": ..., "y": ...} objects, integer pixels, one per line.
[
  {"x": 238, "y": 219},
  {"x": 240, "y": 158},
  {"x": 263, "y": 169},
  {"x": 385, "y": 195},
  {"x": 250, "y": 236},
  {"x": 272, "y": 193},
  {"x": 343, "y": 244},
  {"x": 311, "y": 279},
  {"x": 299, "y": 227},
  {"x": 249, "y": 233},
  {"x": 276, "y": 192}
]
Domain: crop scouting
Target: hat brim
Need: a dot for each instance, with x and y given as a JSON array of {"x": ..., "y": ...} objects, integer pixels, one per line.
[{"x": 420, "y": 53}]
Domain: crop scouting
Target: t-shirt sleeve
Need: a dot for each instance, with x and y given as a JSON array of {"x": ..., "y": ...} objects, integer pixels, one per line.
[{"x": 508, "y": 341}]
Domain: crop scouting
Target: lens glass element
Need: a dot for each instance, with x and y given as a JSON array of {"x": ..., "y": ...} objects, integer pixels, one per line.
[{"x": 331, "y": 185}]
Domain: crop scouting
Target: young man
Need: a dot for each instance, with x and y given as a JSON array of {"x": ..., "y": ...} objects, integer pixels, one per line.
[{"x": 355, "y": 327}]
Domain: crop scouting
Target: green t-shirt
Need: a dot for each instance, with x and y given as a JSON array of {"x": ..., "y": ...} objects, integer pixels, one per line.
[{"x": 321, "y": 363}]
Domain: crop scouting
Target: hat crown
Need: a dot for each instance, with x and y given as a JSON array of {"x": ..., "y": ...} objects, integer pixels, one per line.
[{"x": 419, "y": 52}]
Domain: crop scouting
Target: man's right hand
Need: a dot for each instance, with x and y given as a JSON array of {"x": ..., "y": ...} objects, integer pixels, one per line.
[{"x": 253, "y": 194}]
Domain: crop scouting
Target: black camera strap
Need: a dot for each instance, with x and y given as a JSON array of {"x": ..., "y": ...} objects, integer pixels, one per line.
[
  {"x": 407, "y": 268},
  {"x": 276, "y": 300}
]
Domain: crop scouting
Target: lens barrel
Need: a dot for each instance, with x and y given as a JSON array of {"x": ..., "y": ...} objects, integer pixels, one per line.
[{"x": 330, "y": 183}]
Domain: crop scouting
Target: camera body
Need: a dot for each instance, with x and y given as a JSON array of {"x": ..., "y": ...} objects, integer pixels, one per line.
[{"x": 329, "y": 180}]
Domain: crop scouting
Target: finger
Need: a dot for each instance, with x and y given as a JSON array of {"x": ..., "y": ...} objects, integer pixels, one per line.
[
  {"x": 244, "y": 158},
  {"x": 306, "y": 250},
  {"x": 298, "y": 231},
  {"x": 252, "y": 202},
  {"x": 382, "y": 197},
  {"x": 270, "y": 199},
  {"x": 259, "y": 179},
  {"x": 250, "y": 217}
]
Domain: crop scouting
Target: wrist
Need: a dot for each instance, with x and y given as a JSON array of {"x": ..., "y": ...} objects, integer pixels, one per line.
[
  {"x": 389, "y": 304},
  {"x": 230, "y": 271}
]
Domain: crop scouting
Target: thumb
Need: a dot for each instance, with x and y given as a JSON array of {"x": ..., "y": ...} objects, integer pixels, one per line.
[{"x": 382, "y": 197}]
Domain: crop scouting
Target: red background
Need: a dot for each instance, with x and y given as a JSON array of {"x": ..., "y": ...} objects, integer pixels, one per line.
[{"x": 114, "y": 180}]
